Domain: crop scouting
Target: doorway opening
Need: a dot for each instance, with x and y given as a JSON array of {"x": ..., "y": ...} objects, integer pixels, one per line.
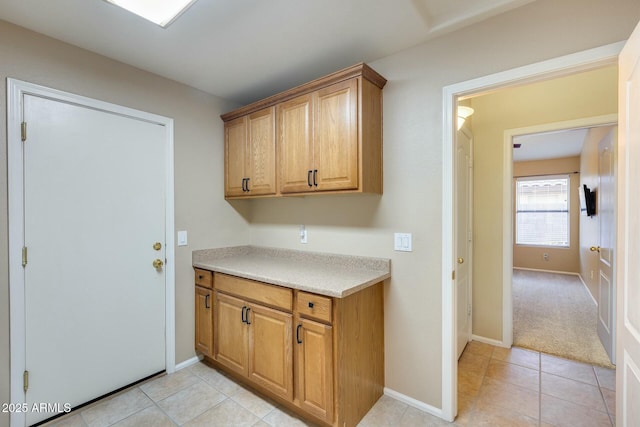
[
  {"x": 560, "y": 294},
  {"x": 502, "y": 235}
]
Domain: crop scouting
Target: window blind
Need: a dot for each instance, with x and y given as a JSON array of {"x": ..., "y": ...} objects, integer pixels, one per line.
[{"x": 542, "y": 211}]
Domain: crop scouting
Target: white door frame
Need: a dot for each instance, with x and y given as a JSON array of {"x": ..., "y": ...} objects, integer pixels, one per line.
[
  {"x": 564, "y": 65},
  {"x": 16, "y": 89}
]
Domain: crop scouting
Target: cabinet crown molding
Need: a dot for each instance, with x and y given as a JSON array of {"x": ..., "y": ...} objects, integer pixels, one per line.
[{"x": 358, "y": 70}]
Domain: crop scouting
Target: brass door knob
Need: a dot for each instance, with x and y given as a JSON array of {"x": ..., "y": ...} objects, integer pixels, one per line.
[
  {"x": 460, "y": 260},
  {"x": 157, "y": 246},
  {"x": 594, "y": 248},
  {"x": 157, "y": 263}
]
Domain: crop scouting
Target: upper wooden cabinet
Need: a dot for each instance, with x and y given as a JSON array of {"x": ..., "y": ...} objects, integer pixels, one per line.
[
  {"x": 295, "y": 127},
  {"x": 328, "y": 138},
  {"x": 318, "y": 140},
  {"x": 250, "y": 155}
]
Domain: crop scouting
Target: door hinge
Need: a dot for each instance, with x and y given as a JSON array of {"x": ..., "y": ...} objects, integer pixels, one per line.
[
  {"x": 469, "y": 310},
  {"x": 25, "y": 381},
  {"x": 24, "y": 256},
  {"x": 453, "y": 275},
  {"x": 23, "y": 131}
]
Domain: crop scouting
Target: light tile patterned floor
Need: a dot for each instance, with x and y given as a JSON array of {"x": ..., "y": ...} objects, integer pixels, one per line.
[{"x": 496, "y": 387}]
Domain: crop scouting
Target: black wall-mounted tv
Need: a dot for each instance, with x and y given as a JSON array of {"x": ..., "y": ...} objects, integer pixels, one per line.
[{"x": 587, "y": 201}]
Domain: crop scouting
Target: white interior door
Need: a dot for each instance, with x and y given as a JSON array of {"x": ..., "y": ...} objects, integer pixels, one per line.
[
  {"x": 628, "y": 236},
  {"x": 94, "y": 205},
  {"x": 606, "y": 217},
  {"x": 463, "y": 239}
]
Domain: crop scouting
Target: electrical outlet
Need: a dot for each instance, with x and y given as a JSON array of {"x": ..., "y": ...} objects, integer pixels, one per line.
[
  {"x": 545, "y": 256},
  {"x": 303, "y": 234}
]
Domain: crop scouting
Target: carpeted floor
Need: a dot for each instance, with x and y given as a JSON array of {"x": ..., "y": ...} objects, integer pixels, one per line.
[{"x": 554, "y": 313}]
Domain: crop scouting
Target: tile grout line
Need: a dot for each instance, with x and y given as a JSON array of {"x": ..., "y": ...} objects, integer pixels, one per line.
[
  {"x": 163, "y": 411},
  {"x": 539, "y": 389},
  {"x": 606, "y": 407}
]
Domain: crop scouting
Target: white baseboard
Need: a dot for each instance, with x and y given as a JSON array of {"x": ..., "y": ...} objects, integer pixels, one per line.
[
  {"x": 490, "y": 341},
  {"x": 414, "y": 403},
  {"x": 571, "y": 273},
  {"x": 588, "y": 290},
  {"x": 187, "y": 363}
]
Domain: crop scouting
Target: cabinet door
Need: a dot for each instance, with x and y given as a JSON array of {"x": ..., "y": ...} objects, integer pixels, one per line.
[
  {"x": 204, "y": 332},
  {"x": 235, "y": 157},
  {"x": 295, "y": 144},
  {"x": 262, "y": 152},
  {"x": 314, "y": 355},
  {"x": 271, "y": 352},
  {"x": 231, "y": 343},
  {"x": 336, "y": 136}
]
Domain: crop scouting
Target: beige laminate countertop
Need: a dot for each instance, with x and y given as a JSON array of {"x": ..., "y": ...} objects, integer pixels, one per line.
[{"x": 325, "y": 274}]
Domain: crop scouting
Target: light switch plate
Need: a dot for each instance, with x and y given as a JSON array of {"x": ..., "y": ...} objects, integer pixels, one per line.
[
  {"x": 402, "y": 242},
  {"x": 182, "y": 238}
]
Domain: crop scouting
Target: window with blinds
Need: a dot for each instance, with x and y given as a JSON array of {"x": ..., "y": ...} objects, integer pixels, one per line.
[{"x": 542, "y": 211}]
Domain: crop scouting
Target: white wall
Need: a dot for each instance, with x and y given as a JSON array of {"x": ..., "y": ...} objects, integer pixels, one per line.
[
  {"x": 412, "y": 196},
  {"x": 199, "y": 205},
  {"x": 362, "y": 224}
]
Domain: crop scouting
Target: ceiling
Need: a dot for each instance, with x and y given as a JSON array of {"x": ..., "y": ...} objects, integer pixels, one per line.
[
  {"x": 549, "y": 145},
  {"x": 245, "y": 50}
]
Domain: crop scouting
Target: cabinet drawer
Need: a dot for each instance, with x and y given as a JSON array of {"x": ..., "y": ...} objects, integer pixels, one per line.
[
  {"x": 204, "y": 278},
  {"x": 314, "y": 306},
  {"x": 271, "y": 295}
]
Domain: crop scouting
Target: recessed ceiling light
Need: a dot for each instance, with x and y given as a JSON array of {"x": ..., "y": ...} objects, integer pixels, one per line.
[{"x": 161, "y": 12}]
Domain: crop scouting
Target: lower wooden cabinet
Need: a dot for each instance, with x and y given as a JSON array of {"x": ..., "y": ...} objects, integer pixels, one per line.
[
  {"x": 314, "y": 377},
  {"x": 231, "y": 332},
  {"x": 204, "y": 321},
  {"x": 271, "y": 349},
  {"x": 255, "y": 341},
  {"x": 333, "y": 354},
  {"x": 204, "y": 312}
]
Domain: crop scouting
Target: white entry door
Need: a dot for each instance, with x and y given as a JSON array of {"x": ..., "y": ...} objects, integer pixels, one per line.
[
  {"x": 606, "y": 212},
  {"x": 94, "y": 206},
  {"x": 628, "y": 244},
  {"x": 463, "y": 239}
]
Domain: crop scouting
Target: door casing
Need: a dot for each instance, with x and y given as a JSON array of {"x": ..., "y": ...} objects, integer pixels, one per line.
[{"x": 16, "y": 89}]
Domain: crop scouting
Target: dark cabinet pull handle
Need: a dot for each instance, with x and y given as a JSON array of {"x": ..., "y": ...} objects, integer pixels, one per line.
[
  {"x": 315, "y": 177},
  {"x": 310, "y": 304},
  {"x": 200, "y": 277},
  {"x": 206, "y": 301},
  {"x": 245, "y": 184},
  {"x": 247, "y": 315},
  {"x": 298, "y": 340},
  {"x": 309, "y": 178},
  {"x": 244, "y": 309}
]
